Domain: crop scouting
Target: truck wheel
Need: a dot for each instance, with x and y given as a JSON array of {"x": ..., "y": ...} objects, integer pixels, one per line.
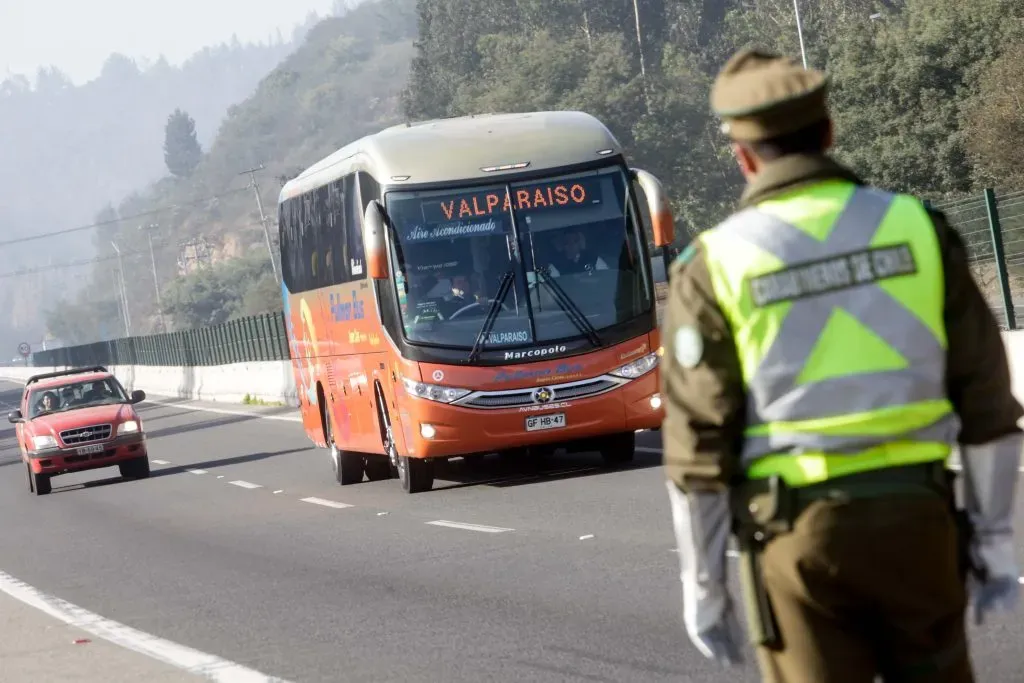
[
  {"x": 618, "y": 449},
  {"x": 416, "y": 474},
  {"x": 41, "y": 483},
  {"x": 31, "y": 479},
  {"x": 348, "y": 466},
  {"x": 136, "y": 468}
]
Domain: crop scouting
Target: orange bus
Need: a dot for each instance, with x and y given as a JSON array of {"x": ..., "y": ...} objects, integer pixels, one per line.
[{"x": 472, "y": 285}]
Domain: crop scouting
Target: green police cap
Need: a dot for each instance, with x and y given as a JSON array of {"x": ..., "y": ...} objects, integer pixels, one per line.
[{"x": 759, "y": 96}]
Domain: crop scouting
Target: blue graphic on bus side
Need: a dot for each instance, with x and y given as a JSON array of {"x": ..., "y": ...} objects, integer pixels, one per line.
[{"x": 342, "y": 310}]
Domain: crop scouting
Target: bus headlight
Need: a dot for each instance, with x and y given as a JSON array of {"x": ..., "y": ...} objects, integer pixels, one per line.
[
  {"x": 637, "y": 368},
  {"x": 433, "y": 392}
]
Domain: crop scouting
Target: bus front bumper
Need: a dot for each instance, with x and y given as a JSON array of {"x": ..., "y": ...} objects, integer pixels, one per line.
[{"x": 433, "y": 429}]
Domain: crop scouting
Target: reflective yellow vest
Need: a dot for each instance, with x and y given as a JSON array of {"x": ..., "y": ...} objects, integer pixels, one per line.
[{"x": 835, "y": 294}]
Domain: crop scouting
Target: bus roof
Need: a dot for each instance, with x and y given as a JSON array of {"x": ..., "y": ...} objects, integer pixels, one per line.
[{"x": 455, "y": 149}]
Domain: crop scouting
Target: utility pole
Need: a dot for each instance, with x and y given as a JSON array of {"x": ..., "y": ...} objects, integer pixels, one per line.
[
  {"x": 799, "y": 31},
  {"x": 124, "y": 293},
  {"x": 156, "y": 281},
  {"x": 263, "y": 218},
  {"x": 640, "y": 47}
]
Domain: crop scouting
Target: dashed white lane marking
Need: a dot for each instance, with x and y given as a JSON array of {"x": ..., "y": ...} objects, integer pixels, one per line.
[
  {"x": 196, "y": 471},
  {"x": 326, "y": 503},
  {"x": 161, "y": 462},
  {"x": 193, "y": 661},
  {"x": 470, "y": 527},
  {"x": 245, "y": 484}
]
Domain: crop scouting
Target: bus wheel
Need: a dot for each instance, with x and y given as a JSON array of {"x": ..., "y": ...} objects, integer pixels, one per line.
[
  {"x": 378, "y": 467},
  {"x": 618, "y": 449},
  {"x": 348, "y": 466},
  {"x": 417, "y": 474}
]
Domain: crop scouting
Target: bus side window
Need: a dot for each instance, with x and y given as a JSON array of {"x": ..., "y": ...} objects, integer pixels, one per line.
[
  {"x": 335, "y": 233},
  {"x": 354, "y": 263}
]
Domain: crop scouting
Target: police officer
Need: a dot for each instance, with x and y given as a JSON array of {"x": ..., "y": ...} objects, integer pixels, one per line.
[{"x": 825, "y": 348}]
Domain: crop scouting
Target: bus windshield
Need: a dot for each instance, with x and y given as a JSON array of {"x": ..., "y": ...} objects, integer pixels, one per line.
[{"x": 518, "y": 264}]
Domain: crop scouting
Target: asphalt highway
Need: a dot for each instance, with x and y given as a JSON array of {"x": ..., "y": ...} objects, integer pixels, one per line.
[{"x": 241, "y": 545}]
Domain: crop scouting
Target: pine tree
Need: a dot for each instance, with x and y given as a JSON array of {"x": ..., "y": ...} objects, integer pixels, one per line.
[{"x": 181, "y": 146}]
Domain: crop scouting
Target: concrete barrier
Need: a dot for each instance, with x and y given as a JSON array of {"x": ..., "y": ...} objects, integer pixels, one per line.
[
  {"x": 272, "y": 381},
  {"x": 268, "y": 382}
]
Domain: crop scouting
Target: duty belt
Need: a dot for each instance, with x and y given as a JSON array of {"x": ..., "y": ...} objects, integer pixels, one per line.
[{"x": 769, "y": 506}]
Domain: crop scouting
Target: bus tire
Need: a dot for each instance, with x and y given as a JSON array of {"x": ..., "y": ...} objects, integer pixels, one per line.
[
  {"x": 618, "y": 449},
  {"x": 416, "y": 474},
  {"x": 348, "y": 466},
  {"x": 378, "y": 468}
]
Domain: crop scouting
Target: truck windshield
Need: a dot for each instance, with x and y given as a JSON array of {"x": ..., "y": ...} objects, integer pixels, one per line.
[{"x": 561, "y": 256}]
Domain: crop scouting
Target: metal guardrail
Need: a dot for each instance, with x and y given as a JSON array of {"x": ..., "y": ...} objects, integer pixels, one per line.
[{"x": 255, "y": 338}]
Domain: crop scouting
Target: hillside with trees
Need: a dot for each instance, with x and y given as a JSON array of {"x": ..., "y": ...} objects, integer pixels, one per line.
[
  {"x": 926, "y": 94},
  {"x": 68, "y": 150}
]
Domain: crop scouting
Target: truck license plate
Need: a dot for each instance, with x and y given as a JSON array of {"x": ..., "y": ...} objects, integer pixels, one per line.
[
  {"x": 88, "y": 450},
  {"x": 538, "y": 422}
]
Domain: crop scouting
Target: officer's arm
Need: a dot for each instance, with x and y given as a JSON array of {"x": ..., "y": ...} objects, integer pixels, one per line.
[
  {"x": 980, "y": 389},
  {"x": 703, "y": 398},
  {"x": 702, "y": 387}
]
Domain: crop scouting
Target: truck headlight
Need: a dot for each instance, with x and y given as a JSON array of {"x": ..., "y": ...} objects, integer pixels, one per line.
[
  {"x": 44, "y": 443},
  {"x": 433, "y": 392},
  {"x": 637, "y": 368},
  {"x": 128, "y": 427}
]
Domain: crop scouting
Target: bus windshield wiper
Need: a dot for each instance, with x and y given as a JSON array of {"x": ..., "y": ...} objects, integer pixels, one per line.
[
  {"x": 492, "y": 314},
  {"x": 569, "y": 307}
]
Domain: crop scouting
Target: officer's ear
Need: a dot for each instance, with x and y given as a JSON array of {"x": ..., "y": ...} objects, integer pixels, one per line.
[{"x": 749, "y": 162}]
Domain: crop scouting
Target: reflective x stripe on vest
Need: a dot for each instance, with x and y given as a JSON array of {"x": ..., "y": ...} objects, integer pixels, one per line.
[{"x": 795, "y": 294}]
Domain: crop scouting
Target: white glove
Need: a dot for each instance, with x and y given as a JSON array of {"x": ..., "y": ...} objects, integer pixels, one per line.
[
  {"x": 701, "y": 522},
  {"x": 1001, "y": 588},
  {"x": 990, "y": 481}
]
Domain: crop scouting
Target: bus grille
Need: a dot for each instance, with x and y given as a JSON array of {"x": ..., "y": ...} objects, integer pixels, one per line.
[
  {"x": 80, "y": 435},
  {"x": 515, "y": 398}
]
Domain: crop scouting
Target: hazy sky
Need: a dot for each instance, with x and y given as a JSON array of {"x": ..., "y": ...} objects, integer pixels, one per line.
[{"x": 78, "y": 35}]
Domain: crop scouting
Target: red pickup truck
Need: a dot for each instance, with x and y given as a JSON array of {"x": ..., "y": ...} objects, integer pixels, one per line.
[{"x": 76, "y": 420}]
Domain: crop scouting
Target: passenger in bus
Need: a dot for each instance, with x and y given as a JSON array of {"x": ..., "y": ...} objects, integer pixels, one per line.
[{"x": 572, "y": 255}]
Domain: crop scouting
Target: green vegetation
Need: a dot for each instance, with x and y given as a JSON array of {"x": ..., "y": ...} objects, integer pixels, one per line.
[
  {"x": 927, "y": 94},
  {"x": 182, "y": 152},
  {"x": 256, "y": 401}
]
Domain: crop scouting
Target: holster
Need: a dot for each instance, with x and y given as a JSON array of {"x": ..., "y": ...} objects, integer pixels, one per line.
[
  {"x": 760, "y": 511},
  {"x": 964, "y": 535}
]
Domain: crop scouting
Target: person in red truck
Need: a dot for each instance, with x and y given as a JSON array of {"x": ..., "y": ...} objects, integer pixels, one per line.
[{"x": 77, "y": 420}]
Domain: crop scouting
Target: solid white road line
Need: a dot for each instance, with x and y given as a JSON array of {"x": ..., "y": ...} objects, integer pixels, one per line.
[
  {"x": 245, "y": 484},
  {"x": 470, "y": 527},
  {"x": 326, "y": 503},
  {"x": 196, "y": 471},
  {"x": 161, "y": 462},
  {"x": 224, "y": 411},
  {"x": 193, "y": 661}
]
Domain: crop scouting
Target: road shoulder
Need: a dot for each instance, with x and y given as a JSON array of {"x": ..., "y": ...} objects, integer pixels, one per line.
[{"x": 37, "y": 647}]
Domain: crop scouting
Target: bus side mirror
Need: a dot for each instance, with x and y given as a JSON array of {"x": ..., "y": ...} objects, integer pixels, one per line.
[
  {"x": 663, "y": 224},
  {"x": 374, "y": 244},
  {"x": 14, "y": 417}
]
